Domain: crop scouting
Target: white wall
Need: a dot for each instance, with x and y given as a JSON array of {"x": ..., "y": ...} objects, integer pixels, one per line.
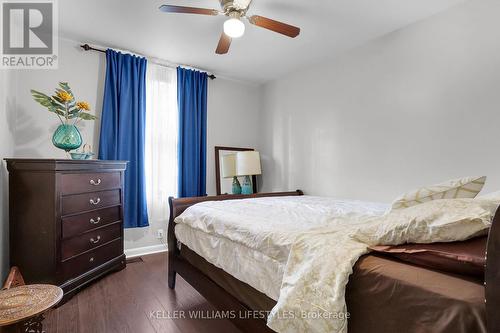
[
  {"x": 232, "y": 119},
  {"x": 85, "y": 72},
  {"x": 7, "y": 99},
  {"x": 418, "y": 106}
]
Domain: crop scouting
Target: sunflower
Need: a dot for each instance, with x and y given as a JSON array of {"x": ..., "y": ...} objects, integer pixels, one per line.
[
  {"x": 64, "y": 96},
  {"x": 83, "y": 106}
]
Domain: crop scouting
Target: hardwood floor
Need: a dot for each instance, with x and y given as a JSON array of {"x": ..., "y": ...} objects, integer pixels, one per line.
[{"x": 136, "y": 299}]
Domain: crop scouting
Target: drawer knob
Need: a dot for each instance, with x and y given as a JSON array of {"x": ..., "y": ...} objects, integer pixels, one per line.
[
  {"x": 91, "y": 259},
  {"x": 95, "y": 183},
  {"x": 95, "y": 201},
  {"x": 95, "y": 221},
  {"x": 95, "y": 241}
]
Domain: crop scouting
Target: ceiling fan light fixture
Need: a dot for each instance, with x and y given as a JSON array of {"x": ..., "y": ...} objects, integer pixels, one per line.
[
  {"x": 234, "y": 28},
  {"x": 235, "y": 11}
]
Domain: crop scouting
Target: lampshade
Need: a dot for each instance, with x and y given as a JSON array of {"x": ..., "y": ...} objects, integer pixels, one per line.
[
  {"x": 248, "y": 163},
  {"x": 228, "y": 165}
]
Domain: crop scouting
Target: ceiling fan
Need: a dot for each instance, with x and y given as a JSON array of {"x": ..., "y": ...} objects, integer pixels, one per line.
[{"x": 234, "y": 27}]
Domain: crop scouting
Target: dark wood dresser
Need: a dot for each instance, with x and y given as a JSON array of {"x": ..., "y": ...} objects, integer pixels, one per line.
[{"x": 66, "y": 220}]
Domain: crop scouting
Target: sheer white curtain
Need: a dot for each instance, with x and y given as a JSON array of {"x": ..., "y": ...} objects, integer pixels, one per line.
[{"x": 161, "y": 140}]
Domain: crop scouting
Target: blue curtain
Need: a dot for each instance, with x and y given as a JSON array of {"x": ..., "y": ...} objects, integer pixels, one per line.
[
  {"x": 192, "y": 102},
  {"x": 122, "y": 129}
]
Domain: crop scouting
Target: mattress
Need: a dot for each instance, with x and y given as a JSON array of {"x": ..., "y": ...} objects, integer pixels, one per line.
[
  {"x": 248, "y": 265},
  {"x": 251, "y": 238}
]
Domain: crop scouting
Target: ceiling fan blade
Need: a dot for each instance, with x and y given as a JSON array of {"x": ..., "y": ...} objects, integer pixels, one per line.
[
  {"x": 224, "y": 43},
  {"x": 188, "y": 10},
  {"x": 276, "y": 26}
]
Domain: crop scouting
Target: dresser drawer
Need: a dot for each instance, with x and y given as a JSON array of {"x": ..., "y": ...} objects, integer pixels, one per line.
[
  {"x": 73, "y": 183},
  {"x": 77, "y": 224},
  {"x": 89, "y": 240},
  {"x": 92, "y": 259},
  {"x": 77, "y": 203}
]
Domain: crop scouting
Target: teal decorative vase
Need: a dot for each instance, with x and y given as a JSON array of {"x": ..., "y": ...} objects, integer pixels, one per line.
[
  {"x": 236, "y": 186},
  {"x": 246, "y": 187},
  {"x": 67, "y": 137}
]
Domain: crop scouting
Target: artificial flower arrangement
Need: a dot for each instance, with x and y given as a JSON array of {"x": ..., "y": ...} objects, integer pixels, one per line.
[
  {"x": 63, "y": 104},
  {"x": 70, "y": 113}
]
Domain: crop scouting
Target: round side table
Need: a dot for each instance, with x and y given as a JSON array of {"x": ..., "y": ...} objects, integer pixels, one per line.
[{"x": 22, "y": 308}]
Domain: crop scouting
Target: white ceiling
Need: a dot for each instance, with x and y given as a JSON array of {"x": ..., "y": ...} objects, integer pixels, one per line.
[{"x": 328, "y": 28}]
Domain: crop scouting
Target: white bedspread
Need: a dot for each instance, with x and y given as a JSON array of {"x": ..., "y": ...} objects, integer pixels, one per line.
[
  {"x": 251, "y": 239},
  {"x": 270, "y": 225},
  {"x": 228, "y": 239},
  {"x": 320, "y": 239}
]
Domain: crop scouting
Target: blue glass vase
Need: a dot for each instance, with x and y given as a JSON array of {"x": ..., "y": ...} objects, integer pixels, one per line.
[
  {"x": 246, "y": 187},
  {"x": 67, "y": 137},
  {"x": 236, "y": 188}
]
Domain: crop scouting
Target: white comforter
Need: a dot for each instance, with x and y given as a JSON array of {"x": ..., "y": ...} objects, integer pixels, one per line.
[
  {"x": 230, "y": 234},
  {"x": 271, "y": 225},
  {"x": 320, "y": 239}
]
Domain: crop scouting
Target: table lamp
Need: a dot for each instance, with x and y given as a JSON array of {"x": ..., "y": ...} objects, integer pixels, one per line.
[
  {"x": 229, "y": 170},
  {"x": 247, "y": 164}
]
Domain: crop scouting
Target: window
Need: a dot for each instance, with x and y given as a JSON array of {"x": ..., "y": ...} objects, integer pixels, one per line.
[{"x": 162, "y": 132}]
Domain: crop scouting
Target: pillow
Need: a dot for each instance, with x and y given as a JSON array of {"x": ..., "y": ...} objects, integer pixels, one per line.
[
  {"x": 465, "y": 258},
  {"x": 446, "y": 220},
  {"x": 467, "y": 187}
]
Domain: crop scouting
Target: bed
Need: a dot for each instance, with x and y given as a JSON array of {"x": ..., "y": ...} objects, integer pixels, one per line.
[{"x": 414, "y": 298}]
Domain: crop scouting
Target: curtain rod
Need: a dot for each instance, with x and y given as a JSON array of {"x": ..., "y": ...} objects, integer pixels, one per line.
[{"x": 87, "y": 47}]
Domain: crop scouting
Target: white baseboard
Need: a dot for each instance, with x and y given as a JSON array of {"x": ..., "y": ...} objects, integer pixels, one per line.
[{"x": 142, "y": 251}]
